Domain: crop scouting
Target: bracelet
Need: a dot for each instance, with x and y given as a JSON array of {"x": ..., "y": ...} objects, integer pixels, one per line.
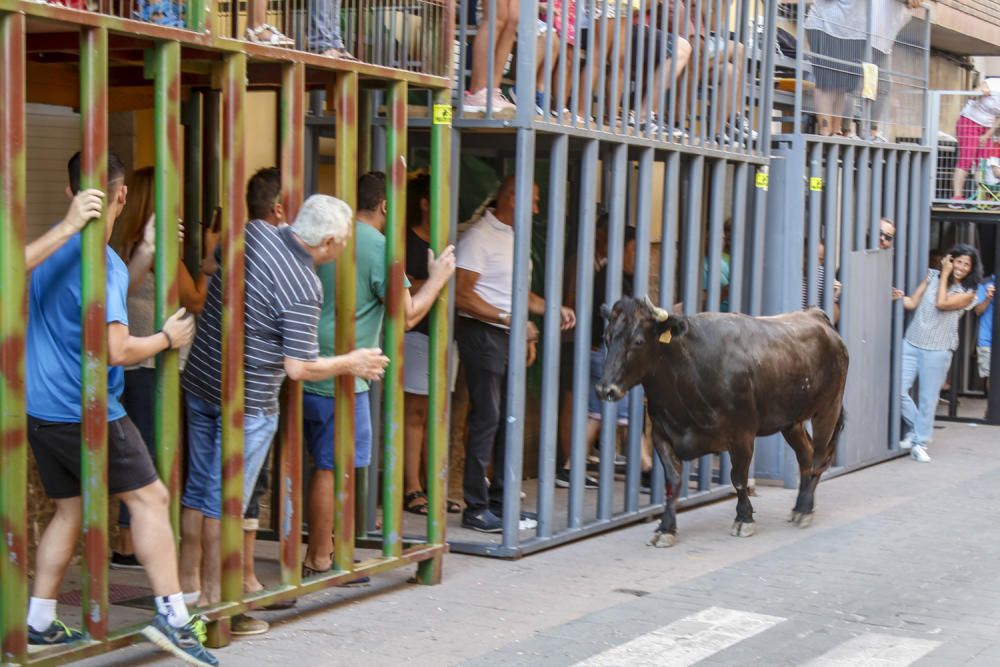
[{"x": 170, "y": 342}]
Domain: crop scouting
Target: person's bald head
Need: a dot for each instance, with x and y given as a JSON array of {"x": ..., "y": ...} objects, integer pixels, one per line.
[{"x": 507, "y": 200}]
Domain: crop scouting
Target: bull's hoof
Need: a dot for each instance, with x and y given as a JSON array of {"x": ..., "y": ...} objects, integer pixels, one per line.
[
  {"x": 741, "y": 529},
  {"x": 662, "y": 540},
  {"x": 801, "y": 519}
]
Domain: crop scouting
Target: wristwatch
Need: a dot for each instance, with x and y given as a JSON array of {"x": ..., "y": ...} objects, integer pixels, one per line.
[{"x": 504, "y": 318}]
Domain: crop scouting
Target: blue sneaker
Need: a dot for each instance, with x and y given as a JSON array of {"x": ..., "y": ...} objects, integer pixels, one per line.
[
  {"x": 184, "y": 643},
  {"x": 56, "y": 633}
]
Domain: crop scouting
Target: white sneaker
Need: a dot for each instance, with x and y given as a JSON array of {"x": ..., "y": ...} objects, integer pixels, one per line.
[
  {"x": 501, "y": 103},
  {"x": 906, "y": 443},
  {"x": 919, "y": 454},
  {"x": 475, "y": 102}
]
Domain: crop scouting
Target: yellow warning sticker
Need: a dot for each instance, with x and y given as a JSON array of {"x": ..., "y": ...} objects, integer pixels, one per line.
[
  {"x": 442, "y": 114},
  {"x": 761, "y": 180},
  {"x": 816, "y": 184}
]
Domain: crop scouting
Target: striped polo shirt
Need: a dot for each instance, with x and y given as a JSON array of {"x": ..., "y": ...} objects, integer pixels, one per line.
[{"x": 282, "y": 302}]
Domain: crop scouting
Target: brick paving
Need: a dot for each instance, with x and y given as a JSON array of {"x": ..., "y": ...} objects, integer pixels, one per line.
[{"x": 899, "y": 553}]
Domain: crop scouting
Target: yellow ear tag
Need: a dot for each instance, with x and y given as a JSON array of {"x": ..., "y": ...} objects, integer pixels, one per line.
[{"x": 665, "y": 337}]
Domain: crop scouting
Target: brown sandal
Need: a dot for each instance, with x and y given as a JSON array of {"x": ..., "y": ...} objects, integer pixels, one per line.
[{"x": 416, "y": 503}]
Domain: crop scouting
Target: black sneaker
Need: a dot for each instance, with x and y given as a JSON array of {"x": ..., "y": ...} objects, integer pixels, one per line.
[
  {"x": 484, "y": 521},
  {"x": 646, "y": 482},
  {"x": 56, "y": 633},
  {"x": 498, "y": 512},
  {"x": 123, "y": 562},
  {"x": 562, "y": 480},
  {"x": 184, "y": 643}
]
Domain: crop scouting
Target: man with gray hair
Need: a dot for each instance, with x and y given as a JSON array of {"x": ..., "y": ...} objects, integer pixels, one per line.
[{"x": 283, "y": 295}]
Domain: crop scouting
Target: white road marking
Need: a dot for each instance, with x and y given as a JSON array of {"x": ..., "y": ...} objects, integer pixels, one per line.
[
  {"x": 876, "y": 650},
  {"x": 686, "y": 641}
]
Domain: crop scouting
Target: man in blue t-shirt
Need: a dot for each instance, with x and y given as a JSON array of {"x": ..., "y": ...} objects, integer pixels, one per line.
[
  {"x": 54, "y": 391},
  {"x": 984, "y": 310}
]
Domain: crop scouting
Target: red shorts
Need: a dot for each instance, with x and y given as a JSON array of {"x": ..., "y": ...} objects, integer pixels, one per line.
[{"x": 970, "y": 151}]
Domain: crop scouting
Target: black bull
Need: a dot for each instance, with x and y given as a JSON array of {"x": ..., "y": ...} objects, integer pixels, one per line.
[{"x": 715, "y": 381}]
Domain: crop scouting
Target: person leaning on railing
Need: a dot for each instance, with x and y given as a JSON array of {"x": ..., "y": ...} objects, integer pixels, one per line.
[
  {"x": 836, "y": 30},
  {"x": 485, "y": 86},
  {"x": 891, "y": 16},
  {"x": 978, "y": 122}
]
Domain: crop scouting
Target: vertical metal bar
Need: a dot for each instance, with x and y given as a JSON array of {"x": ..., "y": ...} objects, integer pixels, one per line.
[
  {"x": 902, "y": 214},
  {"x": 738, "y": 98},
  {"x": 602, "y": 65},
  {"x": 616, "y": 242},
  {"x": 713, "y": 260},
  {"x": 554, "y": 264},
  {"x": 94, "y": 361},
  {"x": 491, "y": 54},
  {"x": 581, "y": 348},
  {"x": 846, "y": 236},
  {"x": 193, "y": 191},
  {"x": 164, "y": 61},
  {"x": 924, "y": 205},
  {"x": 862, "y": 206},
  {"x": 831, "y": 184},
  {"x": 893, "y": 192},
  {"x": 758, "y": 229},
  {"x": 13, "y": 317},
  {"x": 671, "y": 106},
  {"x": 197, "y": 14},
  {"x": 524, "y": 80},
  {"x": 395, "y": 262},
  {"x": 916, "y": 218},
  {"x": 875, "y": 210},
  {"x": 692, "y": 261},
  {"x": 813, "y": 223},
  {"x": 716, "y": 102},
  {"x": 289, "y": 502},
  {"x": 344, "y": 99},
  {"x": 234, "y": 79},
  {"x": 699, "y": 69},
  {"x": 737, "y": 244},
  {"x": 438, "y": 422},
  {"x": 767, "y": 74},
  {"x": 800, "y": 46},
  {"x": 516, "y": 372},
  {"x": 211, "y": 155},
  {"x": 889, "y": 185}
]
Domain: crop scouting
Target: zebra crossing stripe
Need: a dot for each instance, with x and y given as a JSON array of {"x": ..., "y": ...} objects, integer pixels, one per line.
[
  {"x": 686, "y": 641},
  {"x": 876, "y": 650}
]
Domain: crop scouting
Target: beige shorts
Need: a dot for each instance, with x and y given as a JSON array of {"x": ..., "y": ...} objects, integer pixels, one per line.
[
  {"x": 416, "y": 356},
  {"x": 983, "y": 356}
]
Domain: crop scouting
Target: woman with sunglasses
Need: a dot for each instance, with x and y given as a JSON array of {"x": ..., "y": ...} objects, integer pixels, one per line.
[{"x": 932, "y": 337}]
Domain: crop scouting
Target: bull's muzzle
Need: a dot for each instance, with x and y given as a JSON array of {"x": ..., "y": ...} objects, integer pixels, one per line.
[{"x": 609, "y": 392}]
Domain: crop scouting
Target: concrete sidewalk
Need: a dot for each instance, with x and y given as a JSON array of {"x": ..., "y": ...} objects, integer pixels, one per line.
[{"x": 899, "y": 566}]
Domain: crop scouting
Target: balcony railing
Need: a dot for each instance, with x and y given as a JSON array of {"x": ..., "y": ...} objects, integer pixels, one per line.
[
  {"x": 692, "y": 73},
  {"x": 966, "y": 165},
  {"x": 856, "y": 71}
]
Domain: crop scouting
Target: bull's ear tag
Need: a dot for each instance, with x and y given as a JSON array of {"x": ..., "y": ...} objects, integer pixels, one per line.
[{"x": 665, "y": 337}]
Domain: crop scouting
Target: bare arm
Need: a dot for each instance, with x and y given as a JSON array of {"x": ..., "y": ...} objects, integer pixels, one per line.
[
  {"x": 911, "y": 302},
  {"x": 85, "y": 206},
  {"x": 467, "y": 300},
  {"x": 439, "y": 272},
  {"x": 127, "y": 350},
  {"x": 985, "y": 303},
  {"x": 536, "y": 304},
  {"x": 141, "y": 261},
  {"x": 946, "y": 301},
  {"x": 368, "y": 363}
]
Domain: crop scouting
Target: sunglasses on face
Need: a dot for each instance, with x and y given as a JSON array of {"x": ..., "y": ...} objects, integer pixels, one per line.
[{"x": 886, "y": 237}]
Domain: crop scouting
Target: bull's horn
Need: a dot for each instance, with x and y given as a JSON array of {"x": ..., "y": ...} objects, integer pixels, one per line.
[{"x": 658, "y": 313}]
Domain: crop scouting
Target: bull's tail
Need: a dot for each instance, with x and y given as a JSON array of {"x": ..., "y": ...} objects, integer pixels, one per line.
[{"x": 831, "y": 448}]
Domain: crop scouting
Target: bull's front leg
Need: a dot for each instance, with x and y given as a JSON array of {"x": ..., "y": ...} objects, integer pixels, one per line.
[
  {"x": 666, "y": 532},
  {"x": 741, "y": 455}
]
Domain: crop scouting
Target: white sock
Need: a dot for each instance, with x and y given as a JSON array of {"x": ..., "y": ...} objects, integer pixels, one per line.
[
  {"x": 191, "y": 599},
  {"x": 41, "y": 613},
  {"x": 173, "y": 607}
]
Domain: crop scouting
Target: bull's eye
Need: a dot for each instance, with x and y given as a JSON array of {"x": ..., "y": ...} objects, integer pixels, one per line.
[{"x": 638, "y": 341}]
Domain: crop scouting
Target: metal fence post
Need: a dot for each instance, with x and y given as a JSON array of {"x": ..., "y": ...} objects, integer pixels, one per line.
[
  {"x": 13, "y": 318},
  {"x": 234, "y": 79},
  {"x": 439, "y": 388},
  {"x": 94, "y": 362},
  {"x": 289, "y": 501},
  {"x": 395, "y": 263},
  {"x": 163, "y": 66},
  {"x": 344, "y": 99}
]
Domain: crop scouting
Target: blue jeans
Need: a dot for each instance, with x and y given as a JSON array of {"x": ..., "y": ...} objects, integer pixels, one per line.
[
  {"x": 203, "y": 490},
  {"x": 324, "y": 26},
  {"x": 931, "y": 366},
  {"x": 319, "y": 429}
]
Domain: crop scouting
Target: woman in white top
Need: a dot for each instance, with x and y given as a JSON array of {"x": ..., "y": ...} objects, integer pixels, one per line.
[
  {"x": 974, "y": 130},
  {"x": 931, "y": 339}
]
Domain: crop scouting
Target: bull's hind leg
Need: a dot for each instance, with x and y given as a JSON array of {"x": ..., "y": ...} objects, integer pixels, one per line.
[
  {"x": 802, "y": 444},
  {"x": 666, "y": 532},
  {"x": 823, "y": 447},
  {"x": 741, "y": 454}
]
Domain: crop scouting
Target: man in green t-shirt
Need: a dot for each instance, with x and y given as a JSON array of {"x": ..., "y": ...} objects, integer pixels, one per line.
[{"x": 317, "y": 397}]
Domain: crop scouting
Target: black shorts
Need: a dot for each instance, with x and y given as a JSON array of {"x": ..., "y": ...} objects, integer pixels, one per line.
[
  {"x": 836, "y": 62},
  {"x": 58, "y": 455}
]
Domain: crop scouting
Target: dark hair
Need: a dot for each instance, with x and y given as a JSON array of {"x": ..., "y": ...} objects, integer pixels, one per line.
[
  {"x": 976, "y": 274},
  {"x": 418, "y": 189},
  {"x": 116, "y": 170},
  {"x": 371, "y": 191},
  {"x": 602, "y": 223},
  {"x": 263, "y": 192}
]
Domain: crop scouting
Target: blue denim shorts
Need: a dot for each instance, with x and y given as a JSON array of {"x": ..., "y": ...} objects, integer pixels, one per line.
[
  {"x": 319, "y": 429},
  {"x": 203, "y": 490},
  {"x": 594, "y": 404}
]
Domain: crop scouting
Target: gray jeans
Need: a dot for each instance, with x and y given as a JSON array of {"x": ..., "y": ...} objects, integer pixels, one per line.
[{"x": 324, "y": 26}]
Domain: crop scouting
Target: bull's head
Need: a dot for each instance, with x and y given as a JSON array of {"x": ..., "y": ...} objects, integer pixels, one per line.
[{"x": 635, "y": 334}]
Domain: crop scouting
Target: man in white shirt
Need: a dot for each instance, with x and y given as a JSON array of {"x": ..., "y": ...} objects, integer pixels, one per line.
[{"x": 483, "y": 294}]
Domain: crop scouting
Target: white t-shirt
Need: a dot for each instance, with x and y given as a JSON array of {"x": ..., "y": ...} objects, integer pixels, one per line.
[
  {"x": 989, "y": 176},
  {"x": 487, "y": 248},
  {"x": 890, "y": 17},
  {"x": 982, "y": 110},
  {"x": 844, "y": 19}
]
